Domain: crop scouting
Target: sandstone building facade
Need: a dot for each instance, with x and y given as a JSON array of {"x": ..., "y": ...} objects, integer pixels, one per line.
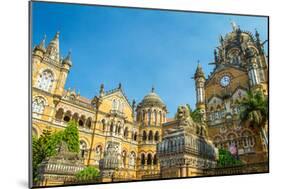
[
  {"x": 120, "y": 137},
  {"x": 109, "y": 124}
]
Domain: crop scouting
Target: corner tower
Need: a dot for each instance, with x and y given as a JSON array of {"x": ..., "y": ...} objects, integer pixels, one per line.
[
  {"x": 199, "y": 78},
  {"x": 151, "y": 114}
]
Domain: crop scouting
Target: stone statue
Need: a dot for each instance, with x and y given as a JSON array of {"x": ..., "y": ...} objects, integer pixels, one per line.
[{"x": 183, "y": 113}]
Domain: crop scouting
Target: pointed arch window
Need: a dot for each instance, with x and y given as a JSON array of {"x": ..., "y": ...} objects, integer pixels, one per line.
[
  {"x": 83, "y": 148},
  {"x": 149, "y": 117},
  {"x": 45, "y": 80},
  {"x": 114, "y": 104},
  {"x": 38, "y": 105}
]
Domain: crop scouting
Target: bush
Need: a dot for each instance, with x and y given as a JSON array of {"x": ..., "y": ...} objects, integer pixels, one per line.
[
  {"x": 226, "y": 159},
  {"x": 87, "y": 174},
  {"x": 46, "y": 145}
]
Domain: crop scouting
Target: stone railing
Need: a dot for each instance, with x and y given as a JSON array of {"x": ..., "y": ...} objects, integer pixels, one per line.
[{"x": 241, "y": 169}]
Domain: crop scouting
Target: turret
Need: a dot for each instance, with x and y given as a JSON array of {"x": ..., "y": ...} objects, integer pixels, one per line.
[
  {"x": 199, "y": 78},
  {"x": 40, "y": 49},
  {"x": 52, "y": 50},
  {"x": 66, "y": 62}
]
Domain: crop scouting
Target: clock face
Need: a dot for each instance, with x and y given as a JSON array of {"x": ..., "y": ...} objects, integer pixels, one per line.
[{"x": 225, "y": 80}]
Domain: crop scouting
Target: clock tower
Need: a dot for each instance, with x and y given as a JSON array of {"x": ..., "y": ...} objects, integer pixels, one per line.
[{"x": 240, "y": 66}]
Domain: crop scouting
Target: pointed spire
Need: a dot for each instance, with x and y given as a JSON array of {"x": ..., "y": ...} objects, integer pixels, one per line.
[
  {"x": 102, "y": 89},
  {"x": 119, "y": 86},
  {"x": 53, "y": 47},
  {"x": 199, "y": 71},
  {"x": 221, "y": 40},
  {"x": 216, "y": 56},
  {"x": 257, "y": 35},
  {"x": 234, "y": 26},
  {"x": 67, "y": 59},
  {"x": 152, "y": 89},
  {"x": 42, "y": 43}
]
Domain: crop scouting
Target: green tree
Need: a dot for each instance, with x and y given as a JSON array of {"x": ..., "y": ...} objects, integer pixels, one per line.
[
  {"x": 226, "y": 159},
  {"x": 43, "y": 147},
  {"x": 71, "y": 136},
  {"x": 195, "y": 114},
  {"x": 46, "y": 145},
  {"x": 255, "y": 111},
  {"x": 88, "y": 174}
]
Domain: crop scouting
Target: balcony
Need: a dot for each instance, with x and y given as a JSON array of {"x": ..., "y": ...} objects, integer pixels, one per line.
[{"x": 117, "y": 113}]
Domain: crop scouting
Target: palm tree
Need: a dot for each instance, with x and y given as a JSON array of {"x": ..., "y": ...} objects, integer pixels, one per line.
[{"x": 255, "y": 111}]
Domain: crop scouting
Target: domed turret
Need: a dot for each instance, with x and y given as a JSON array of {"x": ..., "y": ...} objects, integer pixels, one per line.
[
  {"x": 152, "y": 99},
  {"x": 151, "y": 110}
]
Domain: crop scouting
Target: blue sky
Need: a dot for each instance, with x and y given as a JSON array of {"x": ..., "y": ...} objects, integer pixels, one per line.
[{"x": 136, "y": 47}]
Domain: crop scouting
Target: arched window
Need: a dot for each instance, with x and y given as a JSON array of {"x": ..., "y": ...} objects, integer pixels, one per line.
[
  {"x": 124, "y": 157},
  {"x": 135, "y": 136},
  {"x": 149, "y": 159},
  {"x": 98, "y": 154},
  {"x": 155, "y": 160},
  {"x": 144, "y": 136},
  {"x": 121, "y": 106},
  {"x": 103, "y": 124},
  {"x": 111, "y": 127},
  {"x": 150, "y": 136},
  {"x": 132, "y": 160},
  {"x": 67, "y": 116},
  {"x": 81, "y": 121},
  {"x": 45, "y": 80},
  {"x": 156, "y": 136},
  {"x": 126, "y": 132},
  {"x": 155, "y": 117},
  {"x": 149, "y": 117},
  {"x": 160, "y": 117},
  {"x": 114, "y": 104},
  {"x": 83, "y": 148},
  {"x": 143, "y": 115},
  {"x": 38, "y": 105},
  {"x": 89, "y": 122},
  {"x": 59, "y": 114},
  {"x": 75, "y": 117},
  {"x": 142, "y": 159}
]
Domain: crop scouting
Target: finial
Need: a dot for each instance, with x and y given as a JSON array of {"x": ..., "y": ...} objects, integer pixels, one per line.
[
  {"x": 221, "y": 39},
  {"x": 234, "y": 26},
  {"x": 57, "y": 35},
  {"x": 216, "y": 55},
  {"x": 152, "y": 89},
  {"x": 133, "y": 103},
  {"x": 257, "y": 34},
  {"x": 68, "y": 57},
  {"x": 102, "y": 89},
  {"x": 119, "y": 86},
  {"x": 42, "y": 43}
]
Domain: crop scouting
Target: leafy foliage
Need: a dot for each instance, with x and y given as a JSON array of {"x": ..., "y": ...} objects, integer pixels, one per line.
[
  {"x": 195, "y": 114},
  {"x": 226, "y": 159},
  {"x": 71, "y": 137},
  {"x": 255, "y": 109},
  {"x": 87, "y": 174},
  {"x": 46, "y": 145}
]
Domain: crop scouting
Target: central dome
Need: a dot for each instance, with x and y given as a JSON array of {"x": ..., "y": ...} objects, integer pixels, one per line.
[{"x": 152, "y": 99}]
